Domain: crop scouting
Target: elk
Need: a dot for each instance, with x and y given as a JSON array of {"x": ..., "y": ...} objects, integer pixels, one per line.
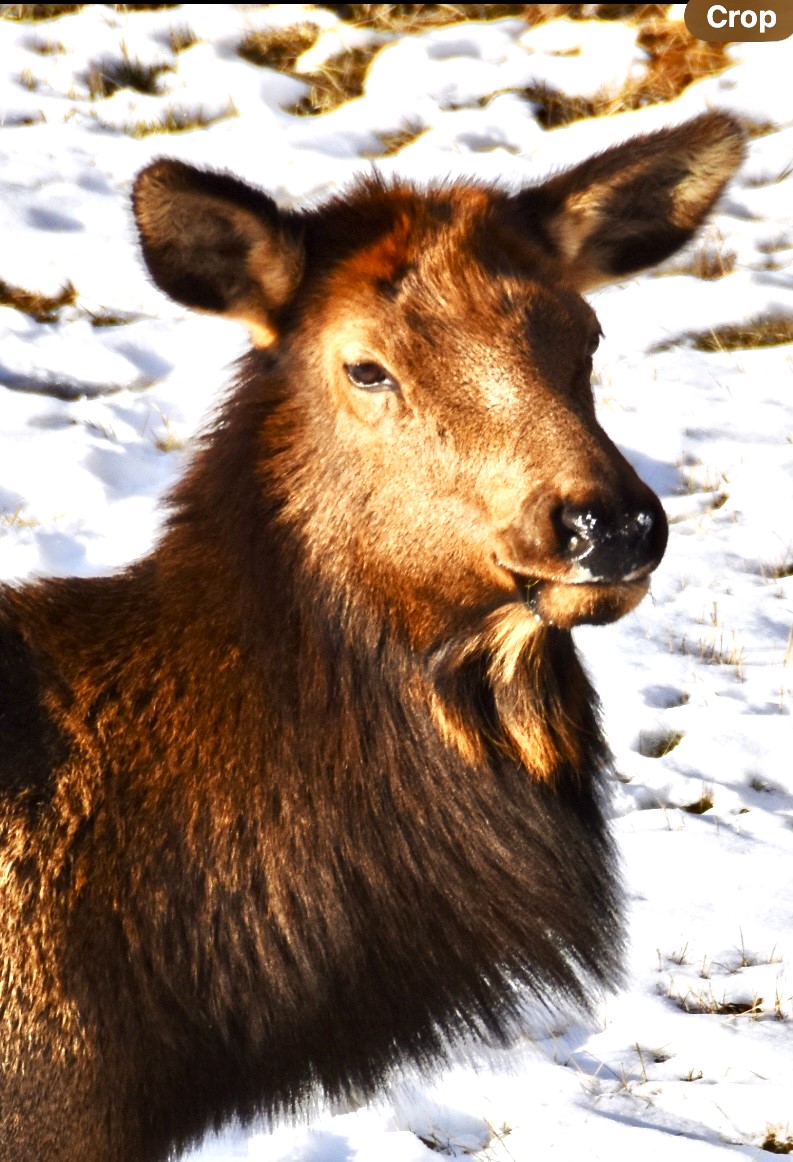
[{"x": 317, "y": 788}]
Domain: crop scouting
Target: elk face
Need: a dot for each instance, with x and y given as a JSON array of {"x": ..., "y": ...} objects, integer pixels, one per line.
[
  {"x": 460, "y": 370},
  {"x": 437, "y": 352}
]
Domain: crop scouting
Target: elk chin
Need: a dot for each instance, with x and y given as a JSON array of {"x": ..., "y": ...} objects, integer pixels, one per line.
[{"x": 565, "y": 606}]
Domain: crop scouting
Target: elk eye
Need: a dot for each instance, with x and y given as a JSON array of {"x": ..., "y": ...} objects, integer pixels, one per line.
[{"x": 369, "y": 376}]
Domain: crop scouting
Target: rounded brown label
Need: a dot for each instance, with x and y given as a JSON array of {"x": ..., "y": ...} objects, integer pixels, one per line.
[{"x": 762, "y": 20}]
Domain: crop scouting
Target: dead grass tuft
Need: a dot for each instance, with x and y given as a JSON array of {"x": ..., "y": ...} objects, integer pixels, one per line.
[
  {"x": 36, "y": 12},
  {"x": 142, "y": 7},
  {"x": 45, "y": 47},
  {"x": 710, "y": 262},
  {"x": 781, "y": 569},
  {"x": 180, "y": 37},
  {"x": 554, "y": 108},
  {"x": 103, "y": 317},
  {"x": 392, "y": 143},
  {"x": 278, "y": 48},
  {"x": 27, "y": 80},
  {"x": 43, "y": 308},
  {"x": 718, "y": 650},
  {"x": 340, "y": 79},
  {"x": 16, "y": 121},
  {"x": 770, "y": 179},
  {"x": 108, "y": 76},
  {"x": 417, "y": 17},
  {"x": 762, "y": 331},
  {"x": 774, "y": 245},
  {"x": 176, "y": 120},
  {"x": 675, "y": 57},
  {"x": 675, "y": 60},
  {"x": 702, "y": 804},
  {"x": 706, "y": 1002},
  {"x": 658, "y": 744},
  {"x": 15, "y": 520},
  {"x": 169, "y": 440},
  {"x": 774, "y": 1143}
]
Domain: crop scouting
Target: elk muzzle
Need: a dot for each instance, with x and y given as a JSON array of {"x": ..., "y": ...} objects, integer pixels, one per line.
[
  {"x": 611, "y": 547},
  {"x": 597, "y": 560}
]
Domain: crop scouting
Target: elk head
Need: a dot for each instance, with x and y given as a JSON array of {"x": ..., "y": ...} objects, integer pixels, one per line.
[{"x": 438, "y": 448}]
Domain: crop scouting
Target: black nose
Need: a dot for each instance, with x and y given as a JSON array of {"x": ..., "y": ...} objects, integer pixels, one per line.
[{"x": 612, "y": 546}]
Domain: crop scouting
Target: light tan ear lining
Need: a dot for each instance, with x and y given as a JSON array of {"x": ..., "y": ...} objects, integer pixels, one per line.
[
  {"x": 637, "y": 203},
  {"x": 709, "y": 171},
  {"x": 275, "y": 266}
]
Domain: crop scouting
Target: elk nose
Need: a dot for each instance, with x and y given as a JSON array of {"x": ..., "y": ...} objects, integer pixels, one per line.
[{"x": 610, "y": 546}]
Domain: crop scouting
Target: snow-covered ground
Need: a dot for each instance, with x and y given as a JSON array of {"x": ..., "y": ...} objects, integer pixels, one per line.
[{"x": 694, "y": 1059}]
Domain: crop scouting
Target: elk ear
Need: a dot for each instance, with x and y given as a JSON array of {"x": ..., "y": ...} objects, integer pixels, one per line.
[
  {"x": 637, "y": 203},
  {"x": 215, "y": 244}
]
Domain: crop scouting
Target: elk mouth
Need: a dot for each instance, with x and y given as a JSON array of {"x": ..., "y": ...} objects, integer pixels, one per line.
[{"x": 579, "y": 600}]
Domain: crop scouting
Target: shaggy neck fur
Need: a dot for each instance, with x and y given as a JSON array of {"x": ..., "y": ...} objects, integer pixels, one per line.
[{"x": 282, "y": 836}]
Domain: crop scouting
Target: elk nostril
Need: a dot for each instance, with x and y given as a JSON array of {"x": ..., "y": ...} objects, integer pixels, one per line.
[
  {"x": 577, "y": 528},
  {"x": 640, "y": 524},
  {"x": 610, "y": 545}
]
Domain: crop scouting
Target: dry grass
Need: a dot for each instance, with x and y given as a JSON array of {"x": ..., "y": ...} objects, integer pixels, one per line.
[
  {"x": 675, "y": 60},
  {"x": 781, "y": 568},
  {"x": 106, "y": 77},
  {"x": 45, "y": 47},
  {"x": 169, "y": 440},
  {"x": 31, "y": 13},
  {"x": 770, "y": 179},
  {"x": 36, "y": 12},
  {"x": 180, "y": 37},
  {"x": 762, "y": 331},
  {"x": 107, "y": 318},
  {"x": 176, "y": 120},
  {"x": 278, "y": 48},
  {"x": 142, "y": 7},
  {"x": 43, "y": 308},
  {"x": 776, "y": 1143},
  {"x": 16, "y": 121},
  {"x": 709, "y": 262},
  {"x": 702, "y": 804},
  {"x": 675, "y": 57},
  {"x": 706, "y": 1002},
  {"x": 554, "y": 108},
  {"x": 15, "y": 520},
  {"x": 28, "y": 81},
  {"x": 441, "y": 1142},
  {"x": 658, "y": 744},
  {"x": 775, "y": 245},
  {"x": 408, "y": 18},
  {"x": 340, "y": 79},
  {"x": 720, "y": 647},
  {"x": 720, "y": 650},
  {"x": 392, "y": 143}
]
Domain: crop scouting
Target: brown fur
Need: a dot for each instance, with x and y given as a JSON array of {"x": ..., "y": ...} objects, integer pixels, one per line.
[{"x": 311, "y": 790}]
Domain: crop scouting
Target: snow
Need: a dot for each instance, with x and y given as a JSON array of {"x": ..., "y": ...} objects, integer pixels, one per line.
[{"x": 694, "y": 1058}]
